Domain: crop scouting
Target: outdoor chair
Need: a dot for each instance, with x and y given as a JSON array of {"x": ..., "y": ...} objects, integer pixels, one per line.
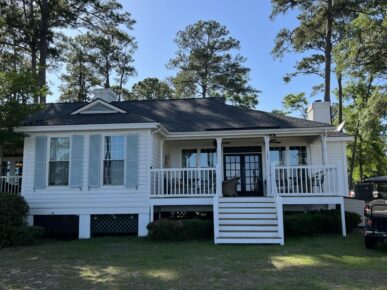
[{"x": 229, "y": 187}]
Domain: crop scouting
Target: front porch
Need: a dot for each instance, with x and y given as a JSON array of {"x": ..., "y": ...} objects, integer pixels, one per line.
[{"x": 272, "y": 171}]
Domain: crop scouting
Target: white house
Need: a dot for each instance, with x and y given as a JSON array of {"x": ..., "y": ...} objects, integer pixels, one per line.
[{"x": 113, "y": 165}]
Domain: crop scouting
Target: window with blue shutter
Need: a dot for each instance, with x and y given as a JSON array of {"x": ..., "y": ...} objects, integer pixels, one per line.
[
  {"x": 132, "y": 163},
  {"x": 95, "y": 161},
  {"x": 40, "y": 162},
  {"x": 76, "y": 164}
]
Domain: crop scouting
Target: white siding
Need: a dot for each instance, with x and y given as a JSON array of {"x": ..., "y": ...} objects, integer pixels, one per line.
[
  {"x": 103, "y": 200},
  {"x": 336, "y": 155},
  {"x": 156, "y": 160}
]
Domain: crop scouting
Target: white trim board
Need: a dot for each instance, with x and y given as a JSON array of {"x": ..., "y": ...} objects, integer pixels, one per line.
[{"x": 95, "y": 102}]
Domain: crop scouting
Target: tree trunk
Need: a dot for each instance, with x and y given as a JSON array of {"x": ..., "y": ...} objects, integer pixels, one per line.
[
  {"x": 328, "y": 52},
  {"x": 360, "y": 153},
  {"x": 204, "y": 90},
  {"x": 352, "y": 164},
  {"x": 43, "y": 48},
  {"x": 340, "y": 93}
]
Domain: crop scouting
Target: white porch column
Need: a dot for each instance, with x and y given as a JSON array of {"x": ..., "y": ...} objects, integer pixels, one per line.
[
  {"x": 84, "y": 226},
  {"x": 162, "y": 153},
  {"x": 219, "y": 166},
  {"x": 268, "y": 165},
  {"x": 143, "y": 221},
  {"x": 323, "y": 140},
  {"x": 342, "y": 210},
  {"x": 30, "y": 220}
]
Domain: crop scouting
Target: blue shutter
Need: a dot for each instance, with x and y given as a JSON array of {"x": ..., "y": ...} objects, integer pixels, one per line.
[
  {"x": 40, "y": 162},
  {"x": 95, "y": 161},
  {"x": 76, "y": 162},
  {"x": 132, "y": 161}
]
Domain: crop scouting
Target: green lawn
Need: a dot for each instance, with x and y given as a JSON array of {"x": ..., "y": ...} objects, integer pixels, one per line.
[{"x": 132, "y": 263}]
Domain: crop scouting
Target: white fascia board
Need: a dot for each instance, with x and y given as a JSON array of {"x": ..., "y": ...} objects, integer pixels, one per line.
[
  {"x": 97, "y": 101},
  {"x": 248, "y": 133},
  {"x": 70, "y": 128}
]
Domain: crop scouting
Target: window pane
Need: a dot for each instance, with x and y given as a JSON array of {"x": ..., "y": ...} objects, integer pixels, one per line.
[
  {"x": 277, "y": 155},
  {"x": 58, "y": 173},
  {"x": 113, "y": 172},
  {"x": 189, "y": 158},
  {"x": 207, "y": 157},
  {"x": 113, "y": 165},
  {"x": 297, "y": 155},
  {"x": 59, "y": 149},
  {"x": 114, "y": 148}
]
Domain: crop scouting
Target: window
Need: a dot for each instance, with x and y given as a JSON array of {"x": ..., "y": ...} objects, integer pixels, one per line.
[
  {"x": 193, "y": 158},
  {"x": 58, "y": 172},
  {"x": 189, "y": 158},
  {"x": 207, "y": 158},
  {"x": 278, "y": 155},
  {"x": 113, "y": 160},
  {"x": 297, "y": 155}
]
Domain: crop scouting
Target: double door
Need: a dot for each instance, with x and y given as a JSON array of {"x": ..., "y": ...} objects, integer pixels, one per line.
[{"x": 245, "y": 163}]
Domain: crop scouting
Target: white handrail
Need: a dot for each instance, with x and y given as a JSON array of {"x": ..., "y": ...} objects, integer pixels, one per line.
[
  {"x": 279, "y": 207},
  {"x": 10, "y": 184},
  {"x": 183, "y": 182},
  {"x": 306, "y": 180}
]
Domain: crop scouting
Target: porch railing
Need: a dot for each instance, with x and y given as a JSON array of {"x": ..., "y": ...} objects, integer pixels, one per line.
[
  {"x": 10, "y": 184},
  {"x": 313, "y": 180},
  {"x": 183, "y": 182}
]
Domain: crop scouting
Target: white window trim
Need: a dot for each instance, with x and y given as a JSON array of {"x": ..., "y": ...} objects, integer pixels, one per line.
[
  {"x": 48, "y": 162},
  {"x": 198, "y": 149},
  {"x": 287, "y": 152},
  {"x": 95, "y": 102},
  {"x": 111, "y": 186}
]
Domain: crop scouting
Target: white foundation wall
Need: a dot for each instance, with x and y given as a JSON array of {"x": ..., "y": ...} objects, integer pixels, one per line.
[{"x": 103, "y": 200}]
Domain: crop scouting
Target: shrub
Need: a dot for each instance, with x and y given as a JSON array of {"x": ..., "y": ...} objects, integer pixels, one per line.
[
  {"x": 180, "y": 230},
  {"x": 13, "y": 211},
  {"x": 318, "y": 222},
  {"x": 26, "y": 235}
]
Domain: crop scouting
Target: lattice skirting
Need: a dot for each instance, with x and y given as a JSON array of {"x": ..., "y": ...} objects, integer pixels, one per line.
[
  {"x": 117, "y": 224},
  {"x": 58, "y": 225}
]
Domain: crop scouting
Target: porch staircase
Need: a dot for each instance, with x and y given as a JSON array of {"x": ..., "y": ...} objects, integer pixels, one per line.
[{"x": 247, "y": 220}]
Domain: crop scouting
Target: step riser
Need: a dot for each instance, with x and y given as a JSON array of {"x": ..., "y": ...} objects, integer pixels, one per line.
[
  {"x": 248, "y": 235},
  {"x": 246, "y": 199},
  {"x": 242, "y": 216},
  {"x": 247, "y": 210},
  {"x": 247, "y": 241},
  {"x": 248, "y": 222},
  {"x": 248, "y": 228},
  {"x": 246, "y": 204}
]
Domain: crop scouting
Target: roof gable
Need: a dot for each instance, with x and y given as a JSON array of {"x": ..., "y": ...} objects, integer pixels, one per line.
[{"x": 98, "y": 106}]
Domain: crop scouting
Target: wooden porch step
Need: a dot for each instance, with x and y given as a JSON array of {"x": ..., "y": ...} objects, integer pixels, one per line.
[
  {"x": 247, "y": 240},
  {"x": 245, "y": 210}
]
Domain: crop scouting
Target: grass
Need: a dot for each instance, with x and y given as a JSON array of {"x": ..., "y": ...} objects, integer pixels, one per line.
[{"x": 131, "y": 263}]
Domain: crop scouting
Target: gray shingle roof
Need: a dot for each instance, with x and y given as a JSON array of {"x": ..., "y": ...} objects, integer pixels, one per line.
[{"x": 185, "y": 115}]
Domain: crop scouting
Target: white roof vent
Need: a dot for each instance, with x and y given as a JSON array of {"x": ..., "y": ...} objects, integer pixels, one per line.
[{"x": 105, "y": 94}]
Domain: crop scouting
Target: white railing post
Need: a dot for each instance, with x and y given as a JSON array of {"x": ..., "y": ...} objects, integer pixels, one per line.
[
  {"x": 268, "y": 174},
  {"x": 279, "y": 206}
]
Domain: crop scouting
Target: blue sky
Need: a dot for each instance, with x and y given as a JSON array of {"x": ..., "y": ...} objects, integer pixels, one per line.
[{"x": 247, "y": 20}]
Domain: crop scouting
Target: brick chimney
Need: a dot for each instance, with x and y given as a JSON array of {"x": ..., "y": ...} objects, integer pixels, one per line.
[{"x": 319, "y": 112}]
